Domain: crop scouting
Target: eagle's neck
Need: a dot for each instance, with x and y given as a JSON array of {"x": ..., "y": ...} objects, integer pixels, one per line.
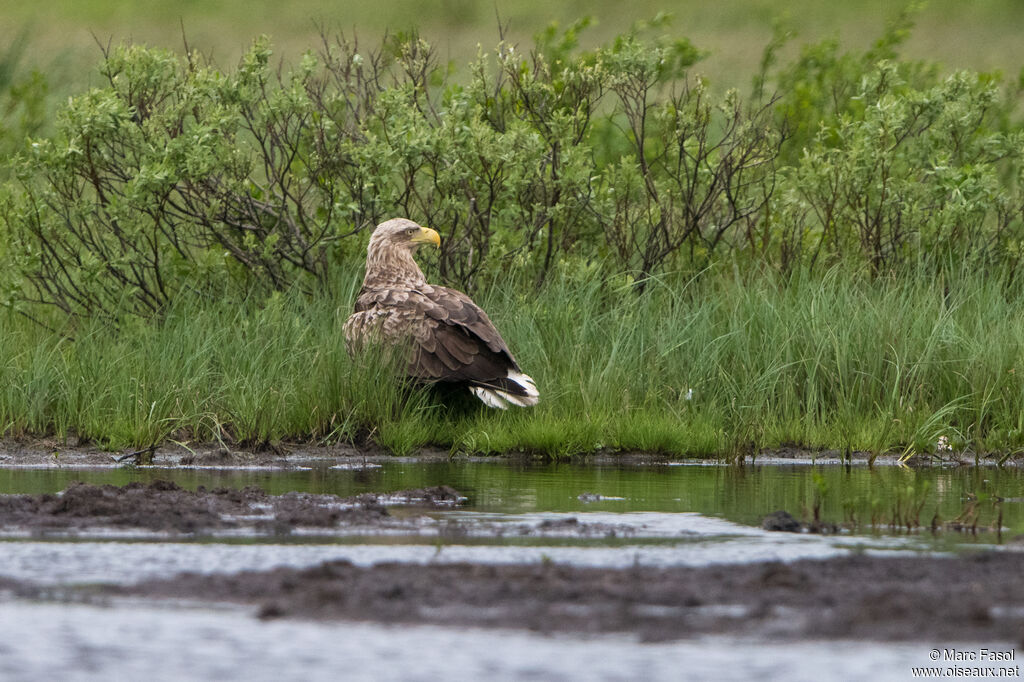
[{"x": 391, "y": 265}]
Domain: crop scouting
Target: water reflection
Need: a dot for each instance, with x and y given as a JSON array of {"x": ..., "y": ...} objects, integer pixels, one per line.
[{"x": 867, "y": 500}]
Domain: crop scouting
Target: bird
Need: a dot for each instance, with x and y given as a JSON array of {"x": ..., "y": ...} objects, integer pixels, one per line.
[{"x": 449, "y": 338}]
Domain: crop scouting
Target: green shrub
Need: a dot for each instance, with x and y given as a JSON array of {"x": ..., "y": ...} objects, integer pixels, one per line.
[
  {"x": 916, "y": 176},
  {"x": 890, "y": 163},
  {"x": 176, "y": 176},
  {"x": 180, "y": 177}
]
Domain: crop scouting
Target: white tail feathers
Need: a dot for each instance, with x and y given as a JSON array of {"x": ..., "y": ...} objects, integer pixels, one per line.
[{"x": 501, "y": 399}]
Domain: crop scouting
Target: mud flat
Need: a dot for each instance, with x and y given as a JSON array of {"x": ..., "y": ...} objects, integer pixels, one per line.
[
  {"x": 975, "y": 596},
  {"x": 165, "y": 506},
  {"x": 970, "y": 598},
  {"x": 164, "y": 580}
]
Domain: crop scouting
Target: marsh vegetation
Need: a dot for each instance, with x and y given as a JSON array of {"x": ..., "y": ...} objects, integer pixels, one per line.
[{"x": 826, "y": 259}]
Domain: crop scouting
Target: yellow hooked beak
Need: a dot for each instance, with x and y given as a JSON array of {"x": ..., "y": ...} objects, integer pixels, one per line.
[{"x": 427, "y": 236}]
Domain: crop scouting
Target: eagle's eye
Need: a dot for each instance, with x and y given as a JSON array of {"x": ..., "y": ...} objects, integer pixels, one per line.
[{"x": 411, "y": 230}]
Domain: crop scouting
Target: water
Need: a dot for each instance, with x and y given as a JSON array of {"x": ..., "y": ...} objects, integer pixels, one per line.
[
  {"x": 655, "y": 515},
  {"x": 867, "y": 498},
  {"x": 663, "y": 515},
  {"x": 157, "y": 644}
]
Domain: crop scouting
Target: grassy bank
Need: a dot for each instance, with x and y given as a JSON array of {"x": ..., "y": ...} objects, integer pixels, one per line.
[
  {"x": 831, "y": 361},
  {"x": 148, "y": 209}
]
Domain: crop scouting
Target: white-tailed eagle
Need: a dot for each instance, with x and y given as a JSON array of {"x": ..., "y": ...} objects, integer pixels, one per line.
[{"x": 449, "y": 338}]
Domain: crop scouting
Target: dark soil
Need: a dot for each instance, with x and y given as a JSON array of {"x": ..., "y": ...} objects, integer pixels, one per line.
[
  {"x": 977, "y": 597},
  {"x": 784, "y": 522},
  {"x": 164, "y": 506},
  {"x": 973, "y": 597},
  {"x": 285, "y": 455},
  {"x": 968, "y": 598}
]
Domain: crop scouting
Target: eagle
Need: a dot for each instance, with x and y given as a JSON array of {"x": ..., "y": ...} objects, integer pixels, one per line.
[{"x": 448, "y": 338}]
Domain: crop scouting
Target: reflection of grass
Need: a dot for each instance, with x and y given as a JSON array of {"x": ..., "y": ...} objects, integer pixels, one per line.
[
  {"x": 911, "y": 506},
  {"x": 721, "y": 365}
]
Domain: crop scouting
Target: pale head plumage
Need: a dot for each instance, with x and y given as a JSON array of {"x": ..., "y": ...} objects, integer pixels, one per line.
[{"x": 389, "y": 258}]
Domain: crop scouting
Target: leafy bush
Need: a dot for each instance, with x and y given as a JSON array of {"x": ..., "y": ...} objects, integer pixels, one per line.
[
  {"x": 698, "y": 170},
  {"x": 177, "y": 176},
  {"x": 172, "y": 176},
  {"x": 889, "y": 162},
  {"x": 916, "y": 175},
  {"x": 823, "y": 83}
]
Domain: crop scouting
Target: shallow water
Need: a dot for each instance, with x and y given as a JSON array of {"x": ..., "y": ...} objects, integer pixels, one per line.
[
  {"x": 655, "y": 515},
  {"x": 741, "y": 494},
  {"x": 117, "y": 561},
  {"x": 871, "y": 500},
  {"x": 152, "y": 643},
  {"x": 602, "y": 516}
]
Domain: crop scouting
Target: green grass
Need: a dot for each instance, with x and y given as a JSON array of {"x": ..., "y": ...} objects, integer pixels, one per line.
[{"x": 884, "y": 365}]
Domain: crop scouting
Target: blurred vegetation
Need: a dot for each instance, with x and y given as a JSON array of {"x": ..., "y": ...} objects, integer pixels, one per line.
[
  {"x": 977, "y": 36},
  {"x": 24, "y": 97}
]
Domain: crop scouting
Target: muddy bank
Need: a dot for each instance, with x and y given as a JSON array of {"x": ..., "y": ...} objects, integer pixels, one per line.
[
  {"x": 975, "y": 597},
  {"x": 52, "y": 453},
  {"x": 165, "y": 506},
  {"x": 969, "y": 598}
]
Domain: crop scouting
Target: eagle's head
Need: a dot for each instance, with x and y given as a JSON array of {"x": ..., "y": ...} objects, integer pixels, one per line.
[
  {"x": 402, "y": 233},
  {"x": 389, "y": 259}
]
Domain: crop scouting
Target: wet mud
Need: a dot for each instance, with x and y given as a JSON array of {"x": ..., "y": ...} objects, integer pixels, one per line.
[
  {"x": 967, "y": 598},
  {"x": 783, "y": 522},
  {"x": 286, "y": 455},
  {"x": 163, "y": 506}
]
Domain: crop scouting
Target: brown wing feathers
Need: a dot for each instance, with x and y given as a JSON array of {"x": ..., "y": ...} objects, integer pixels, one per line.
[{"x": 457, "y": 342}]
